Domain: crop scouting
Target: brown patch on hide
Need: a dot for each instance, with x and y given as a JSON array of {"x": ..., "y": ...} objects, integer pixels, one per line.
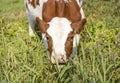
[
  {"x": 49, "y": 9},
  {"x": 77, "y": 26},
  {"x": 34, "y": 3},
  {"x": 72, "y": 11},
  {"x": 69, "y": 44},
  {"x": 37, "y": 2},
  {"x": 60, "y": 8},
  {"x": 43, "y": 26},
  {"x": 49, "y": 41}
]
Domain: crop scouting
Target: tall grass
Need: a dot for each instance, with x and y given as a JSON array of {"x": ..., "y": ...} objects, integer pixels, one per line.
[{"x": 23, "y": 59}]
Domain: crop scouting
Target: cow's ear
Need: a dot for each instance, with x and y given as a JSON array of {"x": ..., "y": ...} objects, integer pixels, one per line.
[
  {"x": 77, "y": 26},
  {"x": 43, "y": 26}
]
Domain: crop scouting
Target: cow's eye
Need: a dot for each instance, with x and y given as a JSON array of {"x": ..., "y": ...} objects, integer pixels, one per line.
[
  {"x": 47, "y": 37},
  {"x": 71, "y": 38}
]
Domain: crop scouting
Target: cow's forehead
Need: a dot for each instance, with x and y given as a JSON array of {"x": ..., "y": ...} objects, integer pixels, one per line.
[{"x": 59, "y": 28}]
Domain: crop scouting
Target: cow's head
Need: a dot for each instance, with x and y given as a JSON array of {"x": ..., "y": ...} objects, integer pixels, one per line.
[
  {"x": 60, "y": 27},
  {"x": 61, "y": 37}
]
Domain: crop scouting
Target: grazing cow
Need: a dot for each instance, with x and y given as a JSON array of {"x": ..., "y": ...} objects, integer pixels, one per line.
[{"x": 60, "y": 22}]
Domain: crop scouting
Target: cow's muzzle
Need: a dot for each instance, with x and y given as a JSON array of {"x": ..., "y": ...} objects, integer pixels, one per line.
[{"x": 60, "y": 59}]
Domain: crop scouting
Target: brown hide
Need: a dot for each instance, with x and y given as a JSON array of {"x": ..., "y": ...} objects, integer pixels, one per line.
[
  {"x": 60, "y": 8},
  {"x": 72, "y": 11},
  {"x": 54, "y": 8},
  {"x": 49, "y": 10},
  {"x": 77, "y": 26},
  {"x": 34, "y": 3},
  {"x": 42, "y": 25}
]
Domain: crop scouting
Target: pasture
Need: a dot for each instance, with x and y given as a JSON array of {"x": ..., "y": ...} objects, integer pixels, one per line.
[{"x": 23, "y": 59}]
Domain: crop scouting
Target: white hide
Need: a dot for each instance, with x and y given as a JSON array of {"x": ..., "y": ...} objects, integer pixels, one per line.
[{"x": 32, "y": 13}]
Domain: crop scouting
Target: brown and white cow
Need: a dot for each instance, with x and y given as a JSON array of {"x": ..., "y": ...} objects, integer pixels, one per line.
[{"x": 60, "y": 22}]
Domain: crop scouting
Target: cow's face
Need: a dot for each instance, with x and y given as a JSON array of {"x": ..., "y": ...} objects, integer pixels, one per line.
[{"x": 61, "y": 37}]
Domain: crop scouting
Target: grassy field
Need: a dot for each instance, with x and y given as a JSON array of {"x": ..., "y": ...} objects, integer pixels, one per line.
[{"x": 24, "y": 60}]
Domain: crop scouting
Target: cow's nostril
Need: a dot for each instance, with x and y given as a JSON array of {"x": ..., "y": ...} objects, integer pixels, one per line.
[
  {"x": 60, "y": 59},
  {"x": 63, "y": 59}
]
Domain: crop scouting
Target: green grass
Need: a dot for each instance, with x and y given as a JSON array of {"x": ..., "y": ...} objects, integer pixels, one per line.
[{"x": 24, "y": 59}]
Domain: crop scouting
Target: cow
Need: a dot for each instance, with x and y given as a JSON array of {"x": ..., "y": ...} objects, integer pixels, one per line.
[{"x": 60, "y": 22}]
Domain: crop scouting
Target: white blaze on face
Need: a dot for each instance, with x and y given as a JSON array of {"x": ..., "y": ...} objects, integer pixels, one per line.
[{"x": 59, "y": 28}]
